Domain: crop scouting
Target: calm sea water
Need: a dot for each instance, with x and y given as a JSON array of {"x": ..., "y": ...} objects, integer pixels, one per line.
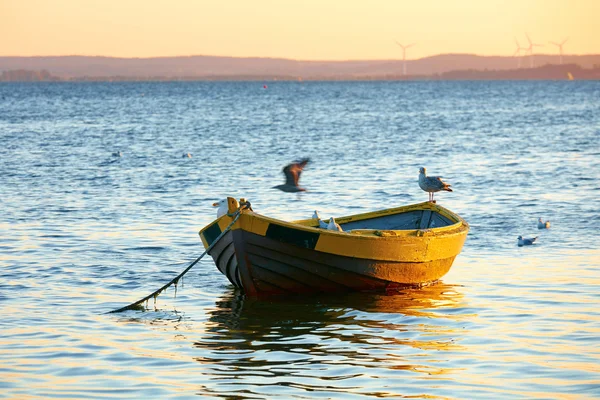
[{"x": 83, "y": 232}]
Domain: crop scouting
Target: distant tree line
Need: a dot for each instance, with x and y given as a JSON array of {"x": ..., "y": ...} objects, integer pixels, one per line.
[
  {"x": 24, "y": 75},
  {"x": 545, "y": 72}
]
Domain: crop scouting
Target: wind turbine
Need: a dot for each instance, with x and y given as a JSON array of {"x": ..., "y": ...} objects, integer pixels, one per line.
[
  {"x": 530, "y": 49},
  {"x": 560, "y": 45},
  {"x": 517, "y": 53},
  {"x": 404, "y": 56}
]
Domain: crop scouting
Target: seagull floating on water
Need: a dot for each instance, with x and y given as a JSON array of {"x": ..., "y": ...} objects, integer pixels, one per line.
[
  {"x": 117, "y": 154},
  {"x": 543, "y": 225},
  {"x": 334, "y": 226},
  {"x": 322, "y": 224},
  {"x": 292, "y": 176},
  {"x": 431, "y": 184},
  {"x": 526, "y": 241},
  {"x": 223, "y": 208}
]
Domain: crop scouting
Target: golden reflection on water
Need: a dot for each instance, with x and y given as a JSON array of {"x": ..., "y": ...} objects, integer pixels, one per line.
[{"x": 360, "y": 329}]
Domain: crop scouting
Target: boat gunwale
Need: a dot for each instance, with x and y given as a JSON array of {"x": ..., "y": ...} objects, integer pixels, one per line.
[{"x": 458, "y": 228}]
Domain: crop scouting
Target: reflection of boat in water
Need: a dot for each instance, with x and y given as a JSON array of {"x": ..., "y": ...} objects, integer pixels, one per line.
[
  {"x": 404, "y": 246},
  {"x": 240, "y": 322},
  {"x": 329, "y": 343}
]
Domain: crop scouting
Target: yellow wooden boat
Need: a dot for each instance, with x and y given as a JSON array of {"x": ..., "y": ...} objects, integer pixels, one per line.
[{"x": 406, "y": 246}]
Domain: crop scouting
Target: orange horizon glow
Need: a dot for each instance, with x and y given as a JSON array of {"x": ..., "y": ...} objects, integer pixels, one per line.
[{"x": 301, "y": 30}]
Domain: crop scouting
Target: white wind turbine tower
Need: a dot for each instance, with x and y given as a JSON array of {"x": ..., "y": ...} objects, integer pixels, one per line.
[
  {"x": 560, "y": 48},
  {"x": 517, "y": 53},
  {"x": 404, "y": 56},
  {"x": 530, "y": 49}
]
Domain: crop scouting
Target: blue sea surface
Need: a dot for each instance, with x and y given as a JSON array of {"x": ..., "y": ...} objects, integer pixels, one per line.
[{"x": 101, "y": 206}]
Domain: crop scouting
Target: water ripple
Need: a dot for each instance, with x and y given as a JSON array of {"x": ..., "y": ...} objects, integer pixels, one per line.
[{"x": 84, "y": 232}]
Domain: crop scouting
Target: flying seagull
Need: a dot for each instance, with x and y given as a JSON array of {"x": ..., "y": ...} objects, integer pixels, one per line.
[
  {"x": 526, "y": 241},
  {"x": 543, "y": 225},
  {"x": 292, "y": 176},
  {"x": 432, "y": 184}
]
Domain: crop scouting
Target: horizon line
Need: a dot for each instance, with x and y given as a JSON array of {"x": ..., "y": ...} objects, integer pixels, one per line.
[{"x": 301, "y": 60}]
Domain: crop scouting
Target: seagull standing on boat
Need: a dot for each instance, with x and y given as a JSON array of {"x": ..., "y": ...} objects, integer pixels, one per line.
[
  {"x": 525, "y": 242},
  {"x": 322, "y": 224},
  {"x": 292, "y": 176},
  {"x": 334, "y": 226},
  {"x": 222, "y": 210},
  {"x": 543, "y": 225},
  {"x": 431, "y": 184}
]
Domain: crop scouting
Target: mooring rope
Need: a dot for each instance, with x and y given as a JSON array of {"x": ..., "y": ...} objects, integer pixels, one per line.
[{"x": 136, "y": 305}]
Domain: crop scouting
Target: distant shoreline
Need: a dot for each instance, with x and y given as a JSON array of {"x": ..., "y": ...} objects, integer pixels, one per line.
[
  {"x": 546, "y": 72},
  {"x": 213, "y": 68}
]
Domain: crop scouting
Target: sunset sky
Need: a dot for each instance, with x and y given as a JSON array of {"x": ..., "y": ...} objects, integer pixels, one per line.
[{"x": 295, "y": 29}]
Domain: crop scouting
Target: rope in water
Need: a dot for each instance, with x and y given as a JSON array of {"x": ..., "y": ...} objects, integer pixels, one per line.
[{"x": 136, "y": 305}]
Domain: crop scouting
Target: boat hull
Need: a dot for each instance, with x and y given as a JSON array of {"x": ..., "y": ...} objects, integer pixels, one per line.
[{"x": 280, "y": 258}]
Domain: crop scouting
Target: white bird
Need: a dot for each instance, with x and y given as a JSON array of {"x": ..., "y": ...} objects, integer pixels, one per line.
[
  {"x": 431, "y": 184},
  {"x": 334, "y": 226},
  {"x": 222, "y": 210},
  {"x": 543, "y": 225},
  {"x": 316, "y": 216},
  {"x": 525, "y": 242}
]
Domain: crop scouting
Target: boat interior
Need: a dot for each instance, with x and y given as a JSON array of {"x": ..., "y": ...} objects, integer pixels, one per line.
[
  {"x": 418, "y": 219},
  {"x": 408, "y": 220}
]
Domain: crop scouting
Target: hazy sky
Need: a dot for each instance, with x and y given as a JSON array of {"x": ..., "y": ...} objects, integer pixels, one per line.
[{"x": 297, "y": 29}]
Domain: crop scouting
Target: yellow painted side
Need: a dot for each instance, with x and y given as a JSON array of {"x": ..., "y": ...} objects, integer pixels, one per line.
[
  {"x": 256, "y": 223},
  {"x": 258, "y": 226},
  {"x": 444, "y": 246},
  {"x": 412, "y": 273},
  {"x": 224, "y": 222},
  {"x": 376, "y": 248},
  {"x": 393, "y": 248}
]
